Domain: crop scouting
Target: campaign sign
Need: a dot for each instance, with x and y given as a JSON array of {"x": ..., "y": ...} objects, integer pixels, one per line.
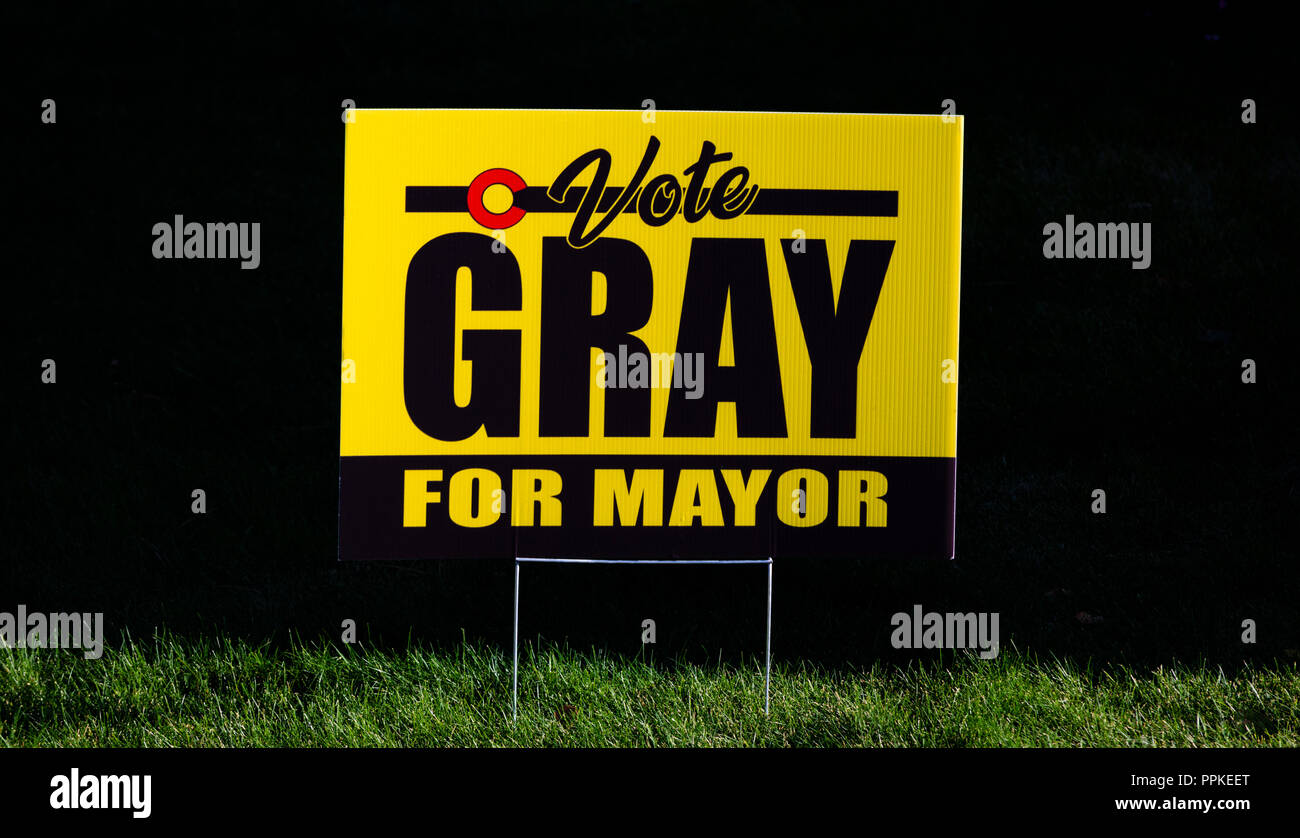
[{"x": 627, "y": 334}]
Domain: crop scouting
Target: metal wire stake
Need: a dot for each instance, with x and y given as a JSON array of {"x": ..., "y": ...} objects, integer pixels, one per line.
[
  {"x": 767, "y": 667},
  {"x": 514, "y": 673},
  {"x": 767, "y": 681}
]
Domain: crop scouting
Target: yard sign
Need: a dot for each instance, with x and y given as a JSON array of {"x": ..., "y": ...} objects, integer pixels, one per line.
[{"x": 625, "y": 334}]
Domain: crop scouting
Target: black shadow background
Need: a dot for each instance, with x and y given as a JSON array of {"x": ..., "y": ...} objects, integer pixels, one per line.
[{"x": 1075, "y": 375}]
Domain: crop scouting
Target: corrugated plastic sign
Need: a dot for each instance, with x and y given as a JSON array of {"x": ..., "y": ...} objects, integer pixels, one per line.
[{"x": 604, "y": 334}]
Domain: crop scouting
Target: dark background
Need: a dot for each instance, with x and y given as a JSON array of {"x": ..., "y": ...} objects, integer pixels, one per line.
[{"x": 1075, "y": 375}]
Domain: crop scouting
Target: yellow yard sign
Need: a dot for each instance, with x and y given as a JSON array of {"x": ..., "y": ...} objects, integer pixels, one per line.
[{"x": 621, "y": 334}]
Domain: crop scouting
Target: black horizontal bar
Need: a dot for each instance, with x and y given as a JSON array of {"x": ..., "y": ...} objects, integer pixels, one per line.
[
  {"x": 851, "y": 202},
  {"x": 864, "y": 203}
]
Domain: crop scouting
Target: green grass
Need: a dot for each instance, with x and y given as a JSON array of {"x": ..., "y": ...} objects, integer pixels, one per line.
[{"x": 192, "y": 693}]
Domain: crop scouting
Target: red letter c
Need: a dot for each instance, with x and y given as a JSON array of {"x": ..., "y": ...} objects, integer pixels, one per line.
[{"x": 495, "y": 220}]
